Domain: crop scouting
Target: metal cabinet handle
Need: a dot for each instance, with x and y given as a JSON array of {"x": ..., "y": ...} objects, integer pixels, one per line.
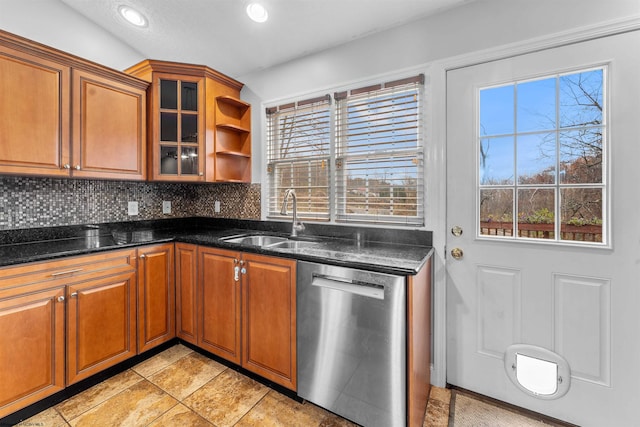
[
  {"x": 62, "y": 273},
  {"x": 236, "y": 274},
  {"x": 74, "y": 295},
  {"x": 143, "y": 256},
  {"x": 66, "y": 166}
]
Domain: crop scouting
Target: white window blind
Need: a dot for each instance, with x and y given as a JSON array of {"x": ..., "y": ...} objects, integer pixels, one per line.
[
  {"x": 379, "y": 153},
  {"x": 360, "y": 160},
  {"x": 299, "y": 137}
]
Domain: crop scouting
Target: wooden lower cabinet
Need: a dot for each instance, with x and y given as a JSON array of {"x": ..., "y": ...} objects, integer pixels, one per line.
[
  {"x": 219, "y": 303},
  {"x": 247, "y": 311},
  {"x": 74, "y": 314},
  {"x": 186, "y": 278},
  {"x": 269, "y": 318},
  {"x": 101, "y": 324},
  {"x": 31, "y": 348},
  {"x": 156, "y": 296}
]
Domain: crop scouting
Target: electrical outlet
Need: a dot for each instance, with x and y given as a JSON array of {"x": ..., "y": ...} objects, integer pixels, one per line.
[
  {"x": 133, "y": 208},
  {"x": 166, "y": 207},
  {"x": 216, "y": 206}
]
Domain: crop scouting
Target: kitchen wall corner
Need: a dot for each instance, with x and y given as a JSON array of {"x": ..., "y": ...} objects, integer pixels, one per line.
[{"x": 27, "y": 202}]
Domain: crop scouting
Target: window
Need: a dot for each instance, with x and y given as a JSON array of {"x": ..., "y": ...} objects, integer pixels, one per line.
[
  {"x": 541, "y": 158},
  {"x": 298, "y": 156},
  {"x": 367, "y": 168}
]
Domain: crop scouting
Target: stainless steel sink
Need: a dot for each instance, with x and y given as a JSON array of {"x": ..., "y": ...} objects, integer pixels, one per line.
[
  {"x": 293, "y": 244},
  {"x": 256, "y": 240}
]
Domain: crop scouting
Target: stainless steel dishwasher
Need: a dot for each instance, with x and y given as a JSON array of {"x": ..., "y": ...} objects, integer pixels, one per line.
[{"x": 352, "y": 343}]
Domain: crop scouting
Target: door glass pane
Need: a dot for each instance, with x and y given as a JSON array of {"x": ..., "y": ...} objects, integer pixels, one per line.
[
  {"x": 536, "y": 158},
  {"x": 496, "y": 110},
  {"x": 581, "y": 214},
  {"x": 189, "y": 128},
  {"x": 169, "y": 160},
  {"x": 168, "y": 127},
  {"x": 581, "y": 156},
  {"x": 536, "y": 105},
  {"x": 169, "y": 94},
  {"x": 190, "y": 96},
  {"x": 496, "y": 161},
  {"x": 553, "y": 161},
  {"x": 536, "y": 213},
  {"x": 581, "y": 98},
  {"x": 189, "y": 161},
  {"x": 496, "y": 212}
]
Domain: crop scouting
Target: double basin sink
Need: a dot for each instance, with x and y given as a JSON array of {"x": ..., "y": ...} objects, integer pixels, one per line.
[{"x": 271, "y": 242}]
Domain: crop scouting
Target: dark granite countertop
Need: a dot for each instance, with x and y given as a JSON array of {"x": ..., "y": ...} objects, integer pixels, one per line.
[{"x": 385, "y": 250}]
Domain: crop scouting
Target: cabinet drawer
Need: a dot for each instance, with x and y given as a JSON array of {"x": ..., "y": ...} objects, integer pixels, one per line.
[{"x": 32, "y": 277}]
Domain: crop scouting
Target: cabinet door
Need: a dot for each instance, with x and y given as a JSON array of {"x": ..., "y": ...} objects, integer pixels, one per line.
[
  {"x": 34, "y": 114},
  {"x": 101, "y": 324},
  {"x": 186, "y": 274},
  {"x": 219, "y": 303},
  {"x": 269, "y": 319},
  {"x": 156, "y": 296},
  {"x": 178, "y": 122},
  {"x": 31, "y": 348},
  {"x": 109, "y": 128}
]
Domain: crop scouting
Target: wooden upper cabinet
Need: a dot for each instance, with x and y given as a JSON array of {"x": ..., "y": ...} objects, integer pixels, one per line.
[
  {"x": 34, "y": 113},
  {"x": 37, "y": 112},
  {"x": 199, "y": 129},
  {"x": 109, "y": 128}
]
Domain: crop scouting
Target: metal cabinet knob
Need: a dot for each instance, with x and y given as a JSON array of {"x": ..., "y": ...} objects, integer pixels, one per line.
[
  {"x": 77, "y": 167},
  {"x": 74, "y": 295},
  {"x": 66, "y": 166},
  {"x": 61, "y": 298},
  {"x": 457, "y": 253},
  {"x": 143, "y": 256}
]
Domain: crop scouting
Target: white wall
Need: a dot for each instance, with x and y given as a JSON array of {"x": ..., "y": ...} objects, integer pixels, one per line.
[
  {"x": 55, "y": 24},
  {"x": 477, "y": 26}
]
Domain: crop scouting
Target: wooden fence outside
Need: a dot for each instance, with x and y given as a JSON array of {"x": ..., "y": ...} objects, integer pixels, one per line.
[{"x": 582, "y": 233}]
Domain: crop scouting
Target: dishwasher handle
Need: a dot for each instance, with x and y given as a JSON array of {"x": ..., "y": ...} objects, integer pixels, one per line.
[{"x": 358, "y": 288}]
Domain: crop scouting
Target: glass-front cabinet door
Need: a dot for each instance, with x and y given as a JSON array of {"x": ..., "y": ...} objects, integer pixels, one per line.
[{"x": 178, "y": 132}]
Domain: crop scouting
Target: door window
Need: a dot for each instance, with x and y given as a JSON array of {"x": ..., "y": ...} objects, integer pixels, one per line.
[{"x": 541, "y": 159}]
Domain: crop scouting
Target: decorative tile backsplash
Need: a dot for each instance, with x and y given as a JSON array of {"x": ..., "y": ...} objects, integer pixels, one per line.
[{"x": 27, "y": 202}]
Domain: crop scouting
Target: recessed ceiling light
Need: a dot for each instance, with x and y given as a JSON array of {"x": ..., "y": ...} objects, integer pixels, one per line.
[
  {"x": 133, "y": 16},
  {"x": 257, "y": 12}
]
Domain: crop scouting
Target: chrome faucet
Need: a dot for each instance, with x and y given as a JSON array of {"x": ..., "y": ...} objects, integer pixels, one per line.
[{"x": 297, "y": 225}]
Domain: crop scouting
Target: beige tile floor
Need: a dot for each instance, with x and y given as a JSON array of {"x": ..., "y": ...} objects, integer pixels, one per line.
[{"x": 180, "y": 387}]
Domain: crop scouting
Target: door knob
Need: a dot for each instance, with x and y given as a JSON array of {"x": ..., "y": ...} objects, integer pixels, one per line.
[{"x": 457, "y": 253}]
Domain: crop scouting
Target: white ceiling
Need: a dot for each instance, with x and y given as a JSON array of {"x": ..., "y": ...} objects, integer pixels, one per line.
[{"x": 218, "y": 33}]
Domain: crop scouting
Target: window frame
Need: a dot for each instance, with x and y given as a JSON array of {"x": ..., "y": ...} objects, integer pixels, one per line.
[
  {"x": 557, "y": 186},
  {"x": 270, "y": 206}
]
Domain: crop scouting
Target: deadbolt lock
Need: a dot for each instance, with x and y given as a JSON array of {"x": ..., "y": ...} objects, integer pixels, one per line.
[{"x": 456, "y": 231}]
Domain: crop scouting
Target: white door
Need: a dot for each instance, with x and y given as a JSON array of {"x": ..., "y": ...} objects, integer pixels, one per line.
[{"x": 529, "y": 155}]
